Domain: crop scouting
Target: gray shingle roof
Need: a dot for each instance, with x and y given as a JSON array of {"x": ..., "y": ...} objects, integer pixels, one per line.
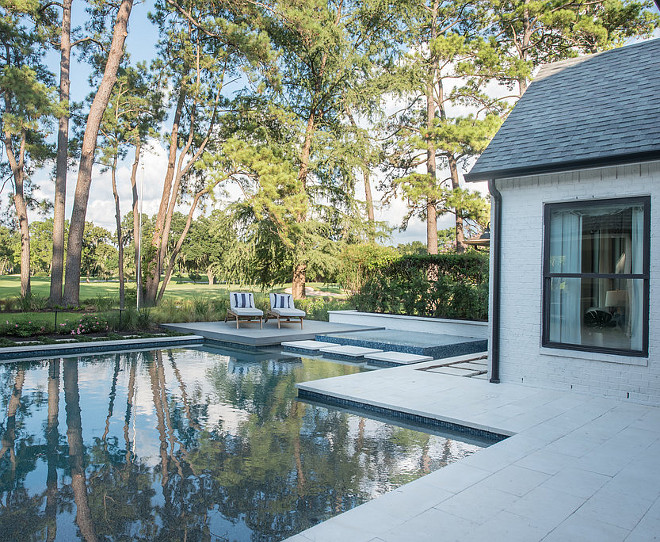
[{"x": 601, "y": 109}]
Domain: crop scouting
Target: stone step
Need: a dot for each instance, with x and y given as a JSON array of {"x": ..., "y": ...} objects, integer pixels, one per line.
[
  {"x": 393, "y": 359},
  {"x": 305, "y": 347},
  {"x": 346, "y": 352}
]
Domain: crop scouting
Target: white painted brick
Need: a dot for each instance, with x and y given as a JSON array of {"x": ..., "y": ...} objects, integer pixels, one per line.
[{"x": 522, "y": 249}]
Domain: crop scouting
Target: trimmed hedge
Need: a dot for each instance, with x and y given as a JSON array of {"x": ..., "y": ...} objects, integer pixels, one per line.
[{"x": 438, "y": 286}]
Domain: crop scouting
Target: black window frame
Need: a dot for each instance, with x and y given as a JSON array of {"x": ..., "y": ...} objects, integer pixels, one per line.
[{"x": 548, "y": 208}]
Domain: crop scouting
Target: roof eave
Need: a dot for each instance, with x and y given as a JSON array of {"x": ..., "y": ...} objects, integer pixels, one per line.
[{"x": 590, "y": 163}]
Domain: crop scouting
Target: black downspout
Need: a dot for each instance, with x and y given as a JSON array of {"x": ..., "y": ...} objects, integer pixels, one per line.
[{"x": 496, "y": 246}]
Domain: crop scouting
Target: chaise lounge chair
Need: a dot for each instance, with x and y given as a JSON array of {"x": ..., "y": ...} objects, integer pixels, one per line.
[
  {"x": 241, "y": 307},
  {"x": 282, "y": 308}
]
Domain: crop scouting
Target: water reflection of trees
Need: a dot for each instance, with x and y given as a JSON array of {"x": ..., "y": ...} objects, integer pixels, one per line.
[{"x": 279, "y": 467}]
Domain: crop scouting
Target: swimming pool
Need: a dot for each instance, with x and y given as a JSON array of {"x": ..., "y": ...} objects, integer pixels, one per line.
[{"x": 190, "y": 444}]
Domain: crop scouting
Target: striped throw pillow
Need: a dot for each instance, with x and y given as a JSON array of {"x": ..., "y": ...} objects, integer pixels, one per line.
[
  {"x": 282, "y": 301},
  {"x": 243, "y": 301}
]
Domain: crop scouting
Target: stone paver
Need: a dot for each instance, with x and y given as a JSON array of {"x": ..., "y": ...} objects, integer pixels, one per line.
[
  {"x": 311, "y": 346},
  {"x": 577, "y": 467},
  {"x": 346, "y": 351},
  {"x": 400, "y": 358}
]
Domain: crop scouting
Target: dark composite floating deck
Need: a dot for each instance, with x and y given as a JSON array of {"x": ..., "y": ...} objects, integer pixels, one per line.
[
  {"x": 438, "y": 346},
  {"x": 250, "y": 335}
]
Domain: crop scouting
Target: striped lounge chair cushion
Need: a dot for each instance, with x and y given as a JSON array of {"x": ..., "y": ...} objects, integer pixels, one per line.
[
  {"x": 242, "y": 300},
  {"x": 282, "y": 301}
]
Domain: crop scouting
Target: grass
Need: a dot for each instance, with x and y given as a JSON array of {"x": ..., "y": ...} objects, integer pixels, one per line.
[
  {"x": 10, "y": 286},
  {"x": 99, "y": 314}
]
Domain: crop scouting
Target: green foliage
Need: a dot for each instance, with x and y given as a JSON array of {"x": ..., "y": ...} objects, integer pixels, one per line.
[
  {"x": 440, "y": 286},
  {"x": 21, "y": 329},
  {"x": 29, "y": 302},
  {"x": 358, "y": 262},
  {"x": 89, "y": 323},
  {"x": 317, "y": 307},
  {"x": 532, "y": 33}
]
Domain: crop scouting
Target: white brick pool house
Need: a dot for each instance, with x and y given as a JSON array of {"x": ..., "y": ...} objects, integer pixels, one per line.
[{"x": 574, "y": 173}]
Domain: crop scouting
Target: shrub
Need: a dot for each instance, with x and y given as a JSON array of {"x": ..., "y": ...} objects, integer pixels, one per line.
[
  {"x": 29, "y": 303},
  {"x": 358, "y": 262},
  {"x": 101, "y": 303},
  {"x": 90, "y": 323},
  {"x": 440, "y": 286},
  {"x": 317, "y": 307},
  {"x": 21, "y": 329}
]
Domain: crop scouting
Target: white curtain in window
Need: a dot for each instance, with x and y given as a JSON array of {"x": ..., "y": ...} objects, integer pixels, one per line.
[
  {"x": 566, "y": 257},
  {"x": 636, "y": 286}
]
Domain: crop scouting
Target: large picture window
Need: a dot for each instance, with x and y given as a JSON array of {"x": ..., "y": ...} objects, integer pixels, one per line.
[{"x": 596, "y": 276}]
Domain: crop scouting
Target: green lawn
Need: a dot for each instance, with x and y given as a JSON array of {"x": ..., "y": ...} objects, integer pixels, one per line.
[
  {"x": 10, "y": 286},
  {"x": 185, "y": 302}
]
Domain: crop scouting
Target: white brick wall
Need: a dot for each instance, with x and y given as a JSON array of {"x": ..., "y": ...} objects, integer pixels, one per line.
[{"x": 522, "y": 359}]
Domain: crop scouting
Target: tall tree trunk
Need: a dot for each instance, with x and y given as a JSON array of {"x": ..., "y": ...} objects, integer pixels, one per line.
[
  {"x": 431, "y": 210},
  {"x": 179, "y": 244},
  {"x": 21, "y": 213},
  {"x": 52, "y": 441},
  {"x": 77, "y": 450},
  {"x": 370, "y": 201},
  {"x": 17, "y": 165},
  {"x": 120, "y": 239},
  {"x": 300, "y": 267},
  {"x": 81, "y": 197},
  {"x": 154, "y": 265},
  {"x": 136, "y": 220},
  {"x": 57, "y": 269},
  {"x": 455, "y": 184},
  {"x": 525, "y": 45},
  {"x": 299, "y": 280}
]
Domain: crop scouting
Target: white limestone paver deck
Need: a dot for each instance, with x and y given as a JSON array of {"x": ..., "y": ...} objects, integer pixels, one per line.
[
  {"x": 577, "y": 468},
  {"x": 401, "y": 358}
]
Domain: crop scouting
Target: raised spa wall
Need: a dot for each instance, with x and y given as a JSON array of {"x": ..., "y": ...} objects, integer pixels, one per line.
[{"x": 420, "y": 324}]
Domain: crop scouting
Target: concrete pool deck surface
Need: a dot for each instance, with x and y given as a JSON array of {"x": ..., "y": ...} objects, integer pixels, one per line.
[
  {"x": 577, "y": 467},
  {"x": 250, "y": 334}
]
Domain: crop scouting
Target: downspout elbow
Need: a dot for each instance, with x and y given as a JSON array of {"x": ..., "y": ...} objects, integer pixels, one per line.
[{"x": 495, "y": 272}]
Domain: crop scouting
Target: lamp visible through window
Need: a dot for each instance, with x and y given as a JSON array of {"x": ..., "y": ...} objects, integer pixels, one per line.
[{"x": 616, "y": 298}]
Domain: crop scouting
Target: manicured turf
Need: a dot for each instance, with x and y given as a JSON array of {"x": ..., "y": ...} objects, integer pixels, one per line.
[{"x": 10, "y": 286}]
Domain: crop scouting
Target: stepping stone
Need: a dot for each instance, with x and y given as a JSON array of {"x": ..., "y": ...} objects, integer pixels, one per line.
[
  {"x": 396, "y": 358},
  {"x": 350, "y": 353},
  {"x": 305, "y": 346}
]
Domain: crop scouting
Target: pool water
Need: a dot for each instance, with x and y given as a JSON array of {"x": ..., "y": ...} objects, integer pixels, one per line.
[{"x": 190, "y": 444}]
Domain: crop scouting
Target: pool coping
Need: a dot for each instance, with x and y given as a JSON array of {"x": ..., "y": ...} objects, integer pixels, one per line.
[
  {"x": 402, "y": 414},
  {"x": 42, "y": 351}
]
